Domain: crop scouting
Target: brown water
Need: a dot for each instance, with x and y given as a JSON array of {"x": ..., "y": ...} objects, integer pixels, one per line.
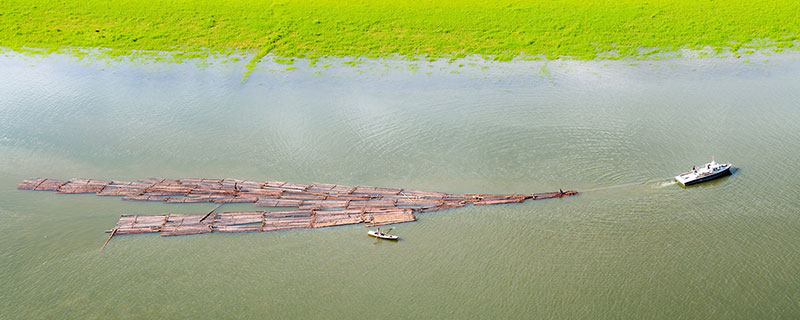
[{"x": 633, "y": 245}]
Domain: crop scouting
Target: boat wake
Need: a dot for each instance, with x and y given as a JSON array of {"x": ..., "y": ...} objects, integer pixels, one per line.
[
  {"x": 667, "y": 183},
  {"x": 660, "y": 185}
]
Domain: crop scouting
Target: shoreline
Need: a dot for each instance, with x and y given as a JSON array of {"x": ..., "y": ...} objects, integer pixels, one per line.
[
  {"x": 506, "y": 31},
  {"x": 471, "y": 66}
]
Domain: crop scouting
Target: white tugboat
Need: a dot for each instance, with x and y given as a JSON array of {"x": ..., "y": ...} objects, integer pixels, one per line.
[{"x": 709, "y": 171}]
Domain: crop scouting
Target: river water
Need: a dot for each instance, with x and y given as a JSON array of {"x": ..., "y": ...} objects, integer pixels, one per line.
[{"x": 632, "y": 245}]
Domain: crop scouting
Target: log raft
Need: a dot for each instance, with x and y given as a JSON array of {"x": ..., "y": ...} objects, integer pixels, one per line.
[{"x": 313, "y": 205}]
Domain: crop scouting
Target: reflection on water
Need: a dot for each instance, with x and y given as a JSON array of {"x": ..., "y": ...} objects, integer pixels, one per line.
[{"x": 634, "y": 244}]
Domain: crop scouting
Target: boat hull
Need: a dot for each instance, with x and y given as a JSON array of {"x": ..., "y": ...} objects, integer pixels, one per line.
[
  {"x": 720, "y": 174},
  {"x": 382, "y": 236}
]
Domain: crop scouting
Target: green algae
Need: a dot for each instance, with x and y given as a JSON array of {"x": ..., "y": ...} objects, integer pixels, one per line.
[{"x": 502, "y": 30}]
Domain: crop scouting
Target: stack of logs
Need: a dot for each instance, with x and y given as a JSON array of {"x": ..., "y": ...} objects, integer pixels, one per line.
[{"x": 312, "y": 205}]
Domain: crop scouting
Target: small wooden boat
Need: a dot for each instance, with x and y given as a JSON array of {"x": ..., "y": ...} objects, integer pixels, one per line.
[
  {"x": 710, "y": 171},
  {"x": 380, "y": 234}
]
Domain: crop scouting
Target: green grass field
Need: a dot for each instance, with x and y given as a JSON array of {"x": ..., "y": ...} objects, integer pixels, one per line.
[{"x": 448, "y": 29}]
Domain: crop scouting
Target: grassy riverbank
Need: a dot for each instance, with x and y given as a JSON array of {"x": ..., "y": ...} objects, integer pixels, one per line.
[{"x": 502, "y": 30}]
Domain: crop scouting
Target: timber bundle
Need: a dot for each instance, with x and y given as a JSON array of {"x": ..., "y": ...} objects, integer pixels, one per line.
[{"x": 313, "y": 205}]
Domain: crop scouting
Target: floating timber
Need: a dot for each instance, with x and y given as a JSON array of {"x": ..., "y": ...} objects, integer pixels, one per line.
[
  {"x": 313, "y": 205},
  {"x": 256, "y": 221}
]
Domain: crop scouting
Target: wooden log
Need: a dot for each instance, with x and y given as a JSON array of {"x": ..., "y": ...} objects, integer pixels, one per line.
[
  {"x": 325, "y": 186},
  {"x": 50, "y": 185},
  {"x": 387, "y": 191},
  {"x": 147, "y": 198},
  {"x": 211, "y": 198},
  {"x": 417, "y": 202},
  {"x": 286, "y": 220},
  {"x": 296, "y": 187},
  {"x": 278, "y": 203},
  {"x": 488, "y": 197},
  {"x": 320, "y": 191},
  {"x": 30, "y": 184},
  {"x": 499, "y": 201},
  {"x": 237, "y": 218},
  {"x": 82, "y": 186},
  {"x": 342, "y": 189},
  {"x": 332, "y": 212},
  {"x": 113, "y": 232},
  {"x": 152, "y": 180},
  {"x": 550, "y": 195},
  {"x": 184, "y": 224},
  {"x": 210, "y": 212},
  {"x": 94, "y": 182},
  {"x": 371, "y": 203},
  {"x": 190, "y": 199},
  {"x": 128, "y": 224},
  {"x": 301, "y": 196},
  {"x": 338, "y": 221},
  {"x": 238, "y": 199},
  {"x": 391, "y": 217},
  {"x": 124, "y": 231},
  {"x": 202, "y": 190},
  {"x": 340, "y": 196},
  {"x": 231, "y": 183},
  {"x": 274, "y": 184},
  {"x": 372, "y": 191},
  {"x": 261, "y": 193},
  {"x": 250, "y": 185},
  {"x": 460, "y": 197},
  {"x": 288, "y": 213},
  {"x": 443, "y": 206},
  {"x": 169, "y": 189},
  {"x": 131, "y": 224},
  {"x": 323, "y": 204},
  {"x": 238, "y": 228},
  {"x": 121, "y": 188},
  {"x": 278, "y": 189},
  {"x": 423, "y": 194},
  {"x": 185, "y": 230},
  {"x": 266, "y": 228},
  {"x": 190, "y": 181},
  {"x": 78, "y": 189}
]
